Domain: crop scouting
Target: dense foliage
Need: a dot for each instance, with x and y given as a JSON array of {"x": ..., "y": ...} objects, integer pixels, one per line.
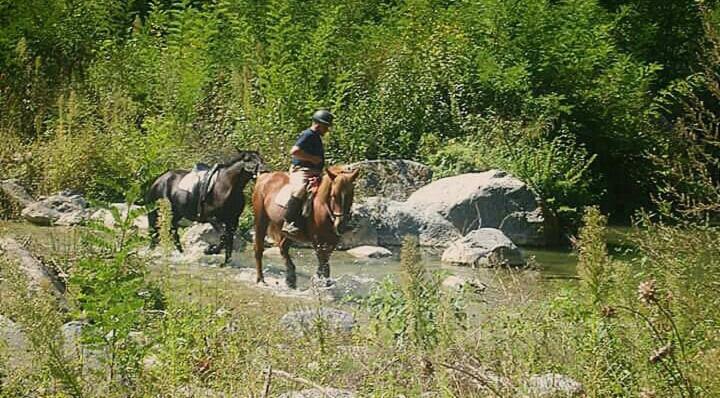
[{"x": 95, "y": 94}]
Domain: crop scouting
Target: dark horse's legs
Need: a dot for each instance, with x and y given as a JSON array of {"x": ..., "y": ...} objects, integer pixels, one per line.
[
  {"x": 174, "y": 229},
  {"x": 153, "y": 229},
  {"x": 290, "y": 277},
  {"x": 228, "y": 238}
]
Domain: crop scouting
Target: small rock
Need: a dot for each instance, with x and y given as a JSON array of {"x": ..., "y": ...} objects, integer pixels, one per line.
[
  {"x": 459, "y": 283},
  {"x": 200, "y": 236},
  {"x": 272, "y": 252},
  {"x": 344, "y": 287},
  {"x": 317, "y": 393},
  {"x": 369, "y": 252},
  {"x": 15, "y": 341},
  {"x": 485, "y": 247},
  {"x": 305, "y": 321},
  {"x": 553, "y": 385},
  {"x": 74, "y": 349}
]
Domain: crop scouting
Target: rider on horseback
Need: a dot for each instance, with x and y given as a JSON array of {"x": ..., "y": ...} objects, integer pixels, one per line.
[{"x": 308, "y": 159}]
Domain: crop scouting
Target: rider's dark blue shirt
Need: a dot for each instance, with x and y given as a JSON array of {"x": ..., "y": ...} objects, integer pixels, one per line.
[{"x": 310, "y": 142}]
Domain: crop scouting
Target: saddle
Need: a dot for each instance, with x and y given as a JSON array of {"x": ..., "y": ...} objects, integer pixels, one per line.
[{"x": 198, "y": 183}]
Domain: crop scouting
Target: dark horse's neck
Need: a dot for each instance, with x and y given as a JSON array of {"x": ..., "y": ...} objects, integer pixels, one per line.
[{"x": 236, "y": 172}]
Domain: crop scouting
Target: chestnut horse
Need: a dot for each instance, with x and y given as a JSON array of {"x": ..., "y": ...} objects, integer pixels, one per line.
[{"x": 329, "y": 219}]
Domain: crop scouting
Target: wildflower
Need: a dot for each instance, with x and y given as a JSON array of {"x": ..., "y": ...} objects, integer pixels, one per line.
[
  {"x": 661, "y": 353},
  {"x": 608, "y": 311},
  {"x": 647, "y": 293},
  {"x": 647, "y": 393}
]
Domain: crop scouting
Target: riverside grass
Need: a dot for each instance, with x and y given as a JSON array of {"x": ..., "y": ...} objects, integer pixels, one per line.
[{"x": 650, "y": 331}]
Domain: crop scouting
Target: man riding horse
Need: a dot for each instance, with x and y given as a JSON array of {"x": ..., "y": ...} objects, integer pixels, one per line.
[{"x": 308, "y": 159}]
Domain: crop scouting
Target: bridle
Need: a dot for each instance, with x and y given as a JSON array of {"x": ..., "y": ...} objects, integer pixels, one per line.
[{"x": 335, "y": 215}]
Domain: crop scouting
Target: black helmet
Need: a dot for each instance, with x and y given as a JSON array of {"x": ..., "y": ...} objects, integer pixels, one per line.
[{"x": 323, "y": 116}]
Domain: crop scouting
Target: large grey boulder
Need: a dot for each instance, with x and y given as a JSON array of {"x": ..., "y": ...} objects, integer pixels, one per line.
[
  {"x": 305, "y": 321},
  {"x": 38, "y": 276},
  {"x": 491, "y": 199},
  {"x": 64, "y": 208},
  {"x": 391, "y": 179},
  {"x": 318, "y": 393},
  {"x": 553, "y": 385},
  {"x": 485, "y": 247},
  {"x": 387, "y": 222}
]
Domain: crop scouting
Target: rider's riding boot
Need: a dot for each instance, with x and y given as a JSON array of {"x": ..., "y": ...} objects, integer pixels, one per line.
[{"x": 292, "y": 215}]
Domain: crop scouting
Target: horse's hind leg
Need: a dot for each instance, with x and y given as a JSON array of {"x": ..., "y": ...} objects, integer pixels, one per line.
[
  {"x": 174, "y": 229},
  {"x": 152, "y": 227},
  {"x": 291, "y": 276},
  {"x": 229, "y": 238}
]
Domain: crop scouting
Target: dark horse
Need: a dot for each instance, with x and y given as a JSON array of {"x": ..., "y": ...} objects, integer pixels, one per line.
[
  {"x": 222, "y": 205},
  {"x": 330, "y": 216}
]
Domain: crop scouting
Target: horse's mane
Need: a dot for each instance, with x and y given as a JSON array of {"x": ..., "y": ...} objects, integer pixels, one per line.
[
  {"x": 326, "y": 183},
  {"x": 242, "y": 156}
]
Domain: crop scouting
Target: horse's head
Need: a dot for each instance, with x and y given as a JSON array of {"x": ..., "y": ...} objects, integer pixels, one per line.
[
  {"x": 251, "y": 162},
  {"x": 342, "y": 192}
]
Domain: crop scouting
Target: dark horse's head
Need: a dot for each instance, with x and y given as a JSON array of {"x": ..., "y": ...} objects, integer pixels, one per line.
[
  {"x": 341, "y": 195},
  {"x": 250, "y": 161}
]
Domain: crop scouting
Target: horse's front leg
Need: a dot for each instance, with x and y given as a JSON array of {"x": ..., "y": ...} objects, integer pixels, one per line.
[
  {"x": 174, "y": 225},
  {"x": 229, "y": 239},
  {"x": 323, "y": 252}
]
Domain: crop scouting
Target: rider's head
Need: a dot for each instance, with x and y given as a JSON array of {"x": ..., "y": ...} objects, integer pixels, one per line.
[{"x": 322, "y": 121}]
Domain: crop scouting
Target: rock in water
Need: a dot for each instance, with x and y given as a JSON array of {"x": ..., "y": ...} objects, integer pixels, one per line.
[
  {"x": 554, "y": 385},
  {"x": 198, "y": 237},
  {"x": 369, "y": 252},
  {"x": 391, "y": 179},
  {"x": 64, "y": 208},
  {"x": 485, "y": 247},
  {"x": 306, "y": 321},
  {"x": 492, "y": 199},
  {"x": 317, "y": 393},
  {"x": 106, "y": 217},
  {"x": 387, "y": 222},
  {"x": 460, "y": 282}
]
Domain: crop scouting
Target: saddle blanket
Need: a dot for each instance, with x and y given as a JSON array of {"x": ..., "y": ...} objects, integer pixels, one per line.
[{"x": 283, "y": 196}]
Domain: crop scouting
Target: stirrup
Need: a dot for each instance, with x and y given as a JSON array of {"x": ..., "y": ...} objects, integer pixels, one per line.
[{"x": 290, "y": 228}]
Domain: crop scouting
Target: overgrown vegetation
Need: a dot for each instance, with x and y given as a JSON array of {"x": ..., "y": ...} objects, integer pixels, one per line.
[{"x": 578, "y": 97}]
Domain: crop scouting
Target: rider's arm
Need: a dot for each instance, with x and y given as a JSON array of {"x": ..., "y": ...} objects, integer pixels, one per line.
[{"x": 302, "y": 155}]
